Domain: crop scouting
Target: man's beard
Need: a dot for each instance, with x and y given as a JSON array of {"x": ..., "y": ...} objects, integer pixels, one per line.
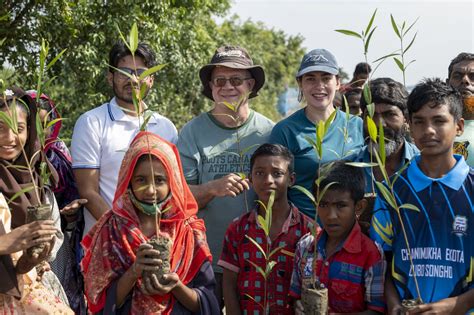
[
  {"x": 393, "y": 141},
  {"x": 123, "y": 96}
]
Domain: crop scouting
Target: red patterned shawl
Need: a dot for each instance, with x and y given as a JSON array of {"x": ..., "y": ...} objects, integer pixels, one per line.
[{"x": 111, "y": 245}]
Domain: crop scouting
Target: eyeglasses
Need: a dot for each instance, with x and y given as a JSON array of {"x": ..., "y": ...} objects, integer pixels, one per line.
[
  {"x": 234, "y": 81},
  {"x": 135, "y": 72}
]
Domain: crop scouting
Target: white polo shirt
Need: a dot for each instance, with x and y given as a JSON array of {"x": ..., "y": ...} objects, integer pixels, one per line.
[{"x": 100, "y": 139}]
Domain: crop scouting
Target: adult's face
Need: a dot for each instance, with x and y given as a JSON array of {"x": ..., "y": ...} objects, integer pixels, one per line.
[
  {"x": 393, "y": 122},
  {"x": 237, "y": 85},
  {"x": 353, "y": 101},
  {"x": 319, "y": 89},
  {"x": 123, "y": 85},
  {"x": 462, "y": 77},
  {"x": 11, "y": 144},
  {"x": 360, "y": 79}
]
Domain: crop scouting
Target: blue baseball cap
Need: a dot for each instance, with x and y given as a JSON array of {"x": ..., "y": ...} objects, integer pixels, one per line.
[{"x": 318, "y": 60}]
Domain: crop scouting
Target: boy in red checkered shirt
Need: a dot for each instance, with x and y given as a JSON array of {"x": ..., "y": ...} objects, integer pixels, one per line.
[
  {"x": 348, "y": 263},
  {"x": 271, "y": 170}
]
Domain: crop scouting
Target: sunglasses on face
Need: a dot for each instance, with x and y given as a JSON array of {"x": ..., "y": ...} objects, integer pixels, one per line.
[
  {"x": 135, "y": 72},
  {"x": 234, "y": 81}
]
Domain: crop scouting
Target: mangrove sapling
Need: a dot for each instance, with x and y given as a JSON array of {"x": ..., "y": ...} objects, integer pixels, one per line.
[
  {"x": 314, "y": 295},
  {"x": 161, "y": 241},
  {"x": 238, "y": 121},
  {"x": 267, "y": 252},
  {"x": 386, "y": 189},
  {"x": 401, "y": 32},
  {"x": 9, "y": 117}
]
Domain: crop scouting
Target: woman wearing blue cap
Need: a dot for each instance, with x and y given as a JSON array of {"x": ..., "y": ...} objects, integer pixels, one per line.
[{"x": 318, "y": 82}]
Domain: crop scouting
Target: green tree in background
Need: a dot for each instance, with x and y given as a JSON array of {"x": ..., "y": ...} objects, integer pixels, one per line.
[{"x": 183, "y": 33}]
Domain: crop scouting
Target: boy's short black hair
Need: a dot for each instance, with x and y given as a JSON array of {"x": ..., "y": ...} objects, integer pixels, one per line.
[
  {"x": 387, "y": 91},
  {"x": 120, "y": 50},
  {"x": 346, "y": 178},
  {"x": 362, "y": 68},
  {"x": 437, "y": 92},
  {"x": 461, "y": 57},
  {"x": 269, "y": 149}
]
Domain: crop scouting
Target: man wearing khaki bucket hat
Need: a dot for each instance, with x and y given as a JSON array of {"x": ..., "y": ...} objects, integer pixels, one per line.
[{"x": 216, "y": 146}]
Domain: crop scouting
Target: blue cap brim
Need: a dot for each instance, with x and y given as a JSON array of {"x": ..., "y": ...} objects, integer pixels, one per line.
[{"x": 330, "y": 70}]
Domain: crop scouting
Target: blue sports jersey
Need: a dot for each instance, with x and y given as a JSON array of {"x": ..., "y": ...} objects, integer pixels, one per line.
[{"x": 441, "y": 235}]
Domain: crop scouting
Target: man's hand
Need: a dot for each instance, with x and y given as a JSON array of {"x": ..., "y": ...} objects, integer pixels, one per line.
[
  {"x": 71, "y": 208},
  {"x": 230, "y": 185}
]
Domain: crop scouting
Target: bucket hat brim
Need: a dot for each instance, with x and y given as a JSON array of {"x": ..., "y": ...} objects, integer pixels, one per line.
[{"x": 257, "y": 72}]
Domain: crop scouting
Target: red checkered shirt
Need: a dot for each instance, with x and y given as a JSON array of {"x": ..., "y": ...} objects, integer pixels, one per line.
[
  {"x": 238, "y": 251},
  {"x": 354, "y": 274}
]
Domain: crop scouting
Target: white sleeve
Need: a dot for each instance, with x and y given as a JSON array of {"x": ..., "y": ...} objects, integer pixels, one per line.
[
  {"x": 86, "y": 142},
  {"x": 56, "y": 217}
]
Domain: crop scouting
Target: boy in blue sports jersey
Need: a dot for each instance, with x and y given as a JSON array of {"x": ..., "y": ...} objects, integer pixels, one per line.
[{"x": 441, "y": 234}]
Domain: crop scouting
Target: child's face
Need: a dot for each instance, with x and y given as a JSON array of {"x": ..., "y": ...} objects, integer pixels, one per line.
[
  {"x": 337, "y": 211},
  {"x": 433, "y": 129},
  {"x": 11, "y": 144},
  {"x": 270, "y": 173},
  {"x": 142, "y": 181}
]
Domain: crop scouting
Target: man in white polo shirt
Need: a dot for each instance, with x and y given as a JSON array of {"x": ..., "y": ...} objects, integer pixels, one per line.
[{"x": 102, "y": 135}]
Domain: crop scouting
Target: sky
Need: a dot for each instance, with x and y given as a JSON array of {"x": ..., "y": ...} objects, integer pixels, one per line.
[{"x": 444, "y": 29}]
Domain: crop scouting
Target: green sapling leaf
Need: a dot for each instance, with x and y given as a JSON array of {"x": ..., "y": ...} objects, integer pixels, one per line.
[
  {"x": 123, "y": 37},
  {"x": 367, "y": 29},
  {"x": 386, "y": 56},
  {"x": 40, "y": 130},
  {"x": 366, "y": 46},
  {"x": 399, "y": 64},
  {"x": 411, "y": 43},
  {"x": 230, "y": 106},
  {"x": 305, "y": 191},
  {"x": 410, "y": 207},
  {"x": 382, "y": 143},
  {"x": 133, "y": 38},
  {"x": 257, "y": 245},
  {"x": 350, "y": 33},
  {"x": 411, "y": 25},
  {"x": 259, "y": 269},
  {"x": 20, "y": 192},
  {"x": 367, "y": 94},
  {"x": 55, "y": 59},
  {"x": 372, "y": 128},
  {"x": 151, "y": 71},
  {"x": 387, "y": 195},
  {"x": 395, "y": 26}
]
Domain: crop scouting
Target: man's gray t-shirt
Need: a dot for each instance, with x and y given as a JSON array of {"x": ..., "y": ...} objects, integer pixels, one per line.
[{"x": 210, "y": 151}]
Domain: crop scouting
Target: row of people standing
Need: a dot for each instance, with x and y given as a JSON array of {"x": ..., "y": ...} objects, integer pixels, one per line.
[{"x": 102, "y": 135}]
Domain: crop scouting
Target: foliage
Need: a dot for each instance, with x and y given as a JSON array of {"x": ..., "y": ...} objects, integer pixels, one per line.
[
  {"x": 377, "y": 137},
  {"x": 265, "y": 223},
  {"x": 182, "y": 32},
  {"x": 401, "y": 31}
]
